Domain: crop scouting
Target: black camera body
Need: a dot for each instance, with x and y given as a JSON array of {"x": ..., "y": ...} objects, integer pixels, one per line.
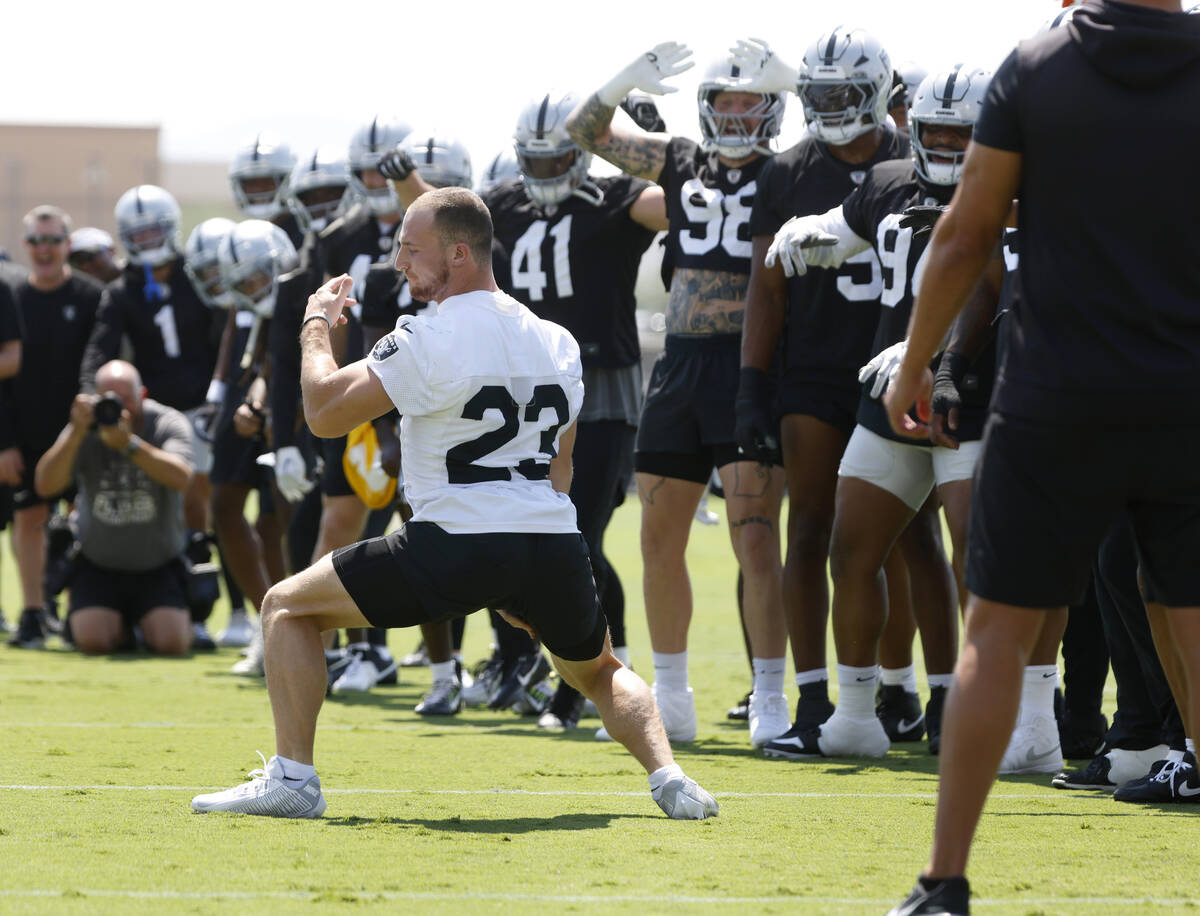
[{"x": 107, "y": 409}]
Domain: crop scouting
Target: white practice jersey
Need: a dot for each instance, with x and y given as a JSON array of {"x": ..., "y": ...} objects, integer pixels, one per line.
[{"x": 484, "y": 388}]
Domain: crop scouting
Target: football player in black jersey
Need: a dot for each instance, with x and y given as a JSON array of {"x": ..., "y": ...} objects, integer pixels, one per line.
[
  {"x": 56, "y": 309},
  {"x": 817, "y": 326},
  {"x": 1094, "y": 415},
  {"x": 687, "y": 425},
  {"x": 883, "y": 480}
]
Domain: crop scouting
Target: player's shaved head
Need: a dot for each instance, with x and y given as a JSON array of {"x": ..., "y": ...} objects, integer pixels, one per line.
[{"x": 459, "y": 217}]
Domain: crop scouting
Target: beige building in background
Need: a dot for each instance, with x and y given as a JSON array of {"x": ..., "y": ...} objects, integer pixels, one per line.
[{"x": 81, "y": 169}]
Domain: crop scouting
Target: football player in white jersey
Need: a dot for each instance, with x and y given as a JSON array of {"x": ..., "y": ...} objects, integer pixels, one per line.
[{"x": 489, "y": 395}]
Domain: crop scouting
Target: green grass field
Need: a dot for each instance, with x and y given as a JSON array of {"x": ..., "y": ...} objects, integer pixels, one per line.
[{"x": 482, "y": 813}]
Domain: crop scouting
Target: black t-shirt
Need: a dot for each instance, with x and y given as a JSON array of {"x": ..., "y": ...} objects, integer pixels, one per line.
[
  {"x": 1104, "y": 115},
  {"x": 873, "y": 211},
  {"x": 55, "y": 328},
  {"x": 832, "y": 313},
  {"x": 175, "y": 336},
  {"x": 10, "y": 329},
  {"x": 708, "y": 206},
  {"x": 577, "y": 266}
]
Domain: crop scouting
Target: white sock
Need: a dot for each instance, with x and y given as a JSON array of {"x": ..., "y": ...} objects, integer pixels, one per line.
[
  {"x": 768, "y": 674},
  {"x": 622, "y": 654},
  {"x": 358, "y": 647},
  {"x": 292, "y": 773},
  {"x": 856, "y": 691},
  {"x": 443, "y": 671},
  {"x": 939, "y": 680},
  {"x": 903, "y": 677},
  {"x": 1174, "y": 756},
  {"x": 670, "y": 670},
  {"x": 663, "y": 775},
  {"x": 812, "y": 676},
  {"x": 1037, "y": 691},
  {"x": 1190, "y": 745}
]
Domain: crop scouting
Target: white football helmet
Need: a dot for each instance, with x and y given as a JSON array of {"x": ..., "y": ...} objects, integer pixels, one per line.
[
  {"x": 265, "y": 164},
  {"x": 318, "y": 187},
  {"x": 844, "y": 83},
  {"x": 952, "y": 97},
  {"x": 252, "y": 258},
  {"x": 736, "y": 135},
  {"x": 201, "y": 264},
  {"x": 370, "y": 142},
  {"x": 503, "y": 167},
  {"x": 442, "y": 160},
  {"x": 148, "y": 220},
  {"x": 552, "y": 164}
]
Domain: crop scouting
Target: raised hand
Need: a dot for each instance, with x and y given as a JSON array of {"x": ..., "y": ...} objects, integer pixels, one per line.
[
  {"x": 648, "y": 72},
  {"x": 762, "y": 69}
]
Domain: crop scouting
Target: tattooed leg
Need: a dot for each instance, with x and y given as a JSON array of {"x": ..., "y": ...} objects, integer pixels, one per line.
[{"x": 668, "y": 505}]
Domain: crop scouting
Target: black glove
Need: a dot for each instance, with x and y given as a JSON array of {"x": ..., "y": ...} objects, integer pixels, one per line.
[
  {"x": 947, "y": 399},
  {"x": 754, "y": 427},
  {"x": 396, "y": 165},
  {"x": 920, "y": 219},
  {"x": 644, "y": 113}
]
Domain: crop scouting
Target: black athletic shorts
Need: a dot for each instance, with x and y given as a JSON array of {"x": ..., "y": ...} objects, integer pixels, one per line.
[
  {"x": 333, "y": 478},
  {"x": 830, "y": 396},
  {"x": 132, "y": 594},
  {"x": 687, "y": 422},
  {"x": 235, "y": 458},
  {"x": 1044, "y": 497},
  {"x": 421, "y": 574},
  {"x": 24, "y": 496}
]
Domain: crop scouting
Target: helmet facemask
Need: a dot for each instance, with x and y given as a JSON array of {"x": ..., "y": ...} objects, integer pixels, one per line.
[
  {"x": 738, "y": 134},
  {"x": 839, "y": 111},
  {"x": 551, "y": 172}
]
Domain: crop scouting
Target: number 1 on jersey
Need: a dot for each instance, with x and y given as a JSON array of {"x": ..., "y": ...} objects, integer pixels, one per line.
[{"x": 165, "y": 319}]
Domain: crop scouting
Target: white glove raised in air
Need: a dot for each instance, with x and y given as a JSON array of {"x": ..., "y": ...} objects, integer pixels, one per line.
[
  {"x": 648, "y": 72},
  {"x": 291, "y": 474},
  {"x": 883, "y": 365},
  {"x": 762, "y": 69},
  {"x": 800, "y": 244}
]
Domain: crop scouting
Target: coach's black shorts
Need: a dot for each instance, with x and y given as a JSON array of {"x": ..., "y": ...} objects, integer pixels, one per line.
[
  {"x": 1045, "y": 496},
  {"x": 687, "y": 422},
  {"x": 333, "y": 478},
  {"x": 421, "y": 574},
  {"x": 132, "y": 594},
  {"x": 830, "y": 396}
]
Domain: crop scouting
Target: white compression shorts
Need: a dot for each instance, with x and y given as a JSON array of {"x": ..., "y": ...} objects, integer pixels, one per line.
[{"x": 908, "y": 472}]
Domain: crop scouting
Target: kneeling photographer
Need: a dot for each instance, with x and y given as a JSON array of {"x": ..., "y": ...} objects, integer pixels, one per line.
[{"x": 131, "y": 459}]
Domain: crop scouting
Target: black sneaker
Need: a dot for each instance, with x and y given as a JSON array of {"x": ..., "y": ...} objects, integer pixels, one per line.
[
  {"x": 1094, "y": 776},
  {"x": 526, "y": 671},
  {"x": 30, "y": 634},
  {"x": 202, "y": 640},
  {"x": 813, "y": 706},
  {"x": 933, "y": 718},
  {"x": 1167, "y": 781},
  {"x": 444, "y": 699},
  {"x": 900, "y": 712},
  {"x": 942, "y": 897},
  {"x": 386, "y": 665},
  {"x": 740, "y": 711},
  {"x": 336, "y": 661},
  {"x": 797, "y": 743}
]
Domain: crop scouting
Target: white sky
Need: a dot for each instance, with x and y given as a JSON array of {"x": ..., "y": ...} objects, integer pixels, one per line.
[{"x": 212, "y": 74}]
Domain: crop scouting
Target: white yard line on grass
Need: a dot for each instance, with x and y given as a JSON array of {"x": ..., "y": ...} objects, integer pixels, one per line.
[{"x": 416, "y": 897}]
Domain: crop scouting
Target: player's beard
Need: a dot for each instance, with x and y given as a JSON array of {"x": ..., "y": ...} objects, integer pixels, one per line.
[{"x": 431, "y": 290}]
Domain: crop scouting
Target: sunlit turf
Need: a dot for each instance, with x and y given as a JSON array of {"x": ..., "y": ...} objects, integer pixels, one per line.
[{"x": 483, "y": 813}]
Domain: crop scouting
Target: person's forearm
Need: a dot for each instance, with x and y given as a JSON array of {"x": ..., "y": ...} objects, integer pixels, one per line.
[
  {"x": 162, "y": 467},
  {"x": 766, "y": 307},
  {"x": 590, "y": 125},
  {"x": 316, "y": 366},
  {"x": 54, "y": 470},
  {"x": 975, "y": 324},
  {"x": 10, "y": 359},
  {"x": 410, "y": 188}
]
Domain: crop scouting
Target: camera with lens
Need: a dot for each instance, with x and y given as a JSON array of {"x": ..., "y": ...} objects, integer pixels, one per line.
[{"x": 107, "y": 409}]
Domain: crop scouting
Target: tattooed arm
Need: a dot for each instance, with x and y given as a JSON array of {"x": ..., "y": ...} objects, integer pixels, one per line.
[
  {"x": 705, "y": 302},
  {"x": 590, "y": 125}
]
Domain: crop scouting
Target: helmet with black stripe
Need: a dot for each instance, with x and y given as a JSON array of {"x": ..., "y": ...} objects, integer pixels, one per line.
[
  {"x": 148, "y": 221},
  {"x": 370, "y": 142},
  {"x": 202, "y": 265},
  {"x": 318, "y": 187},
  {"x": 259, "y": 174},
  {"x": 552, "y": 164},
  {"x": 844, "y": 83},
  {"x": 442, "y": 160},
  {"x": 252, "y": 257},
  {"x": 951, "y": 98},
  {"x": 736, "y": 133}
]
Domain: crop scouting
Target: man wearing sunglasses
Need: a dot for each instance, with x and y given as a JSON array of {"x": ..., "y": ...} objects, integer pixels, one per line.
[{"x": 57, "y": 308}]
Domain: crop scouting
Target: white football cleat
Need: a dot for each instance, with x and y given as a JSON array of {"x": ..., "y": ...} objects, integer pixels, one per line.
[
  {"x": 1033, "y": 748},
  {"x": 684, "y": 799},
  {"x": 252, "y": 664},
  {"x": 359, "y": 677},
  {"x": 677, "y": 708},
  {"x": 267, "y": 795},
  {"x": 842, "y": 736},
  {"x": 238, "y": 632},
  {"x": 770, "y": 717}
]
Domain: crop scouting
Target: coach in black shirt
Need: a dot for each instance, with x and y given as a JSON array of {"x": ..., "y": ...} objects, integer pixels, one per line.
[{"x": 1096, "y": 410}]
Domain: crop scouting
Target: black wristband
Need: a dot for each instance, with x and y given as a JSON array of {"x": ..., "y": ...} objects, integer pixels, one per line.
[{"x": 752, "y": 383}]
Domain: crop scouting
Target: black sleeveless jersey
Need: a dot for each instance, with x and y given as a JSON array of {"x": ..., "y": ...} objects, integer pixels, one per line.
[
  {"x": 832, "y": 313},
  {"x": 175, "y": 336},
  {"x": 577, "y": 265},
  {"x": 874, "y": 211},
  {"x": 709, "y": 206}
]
